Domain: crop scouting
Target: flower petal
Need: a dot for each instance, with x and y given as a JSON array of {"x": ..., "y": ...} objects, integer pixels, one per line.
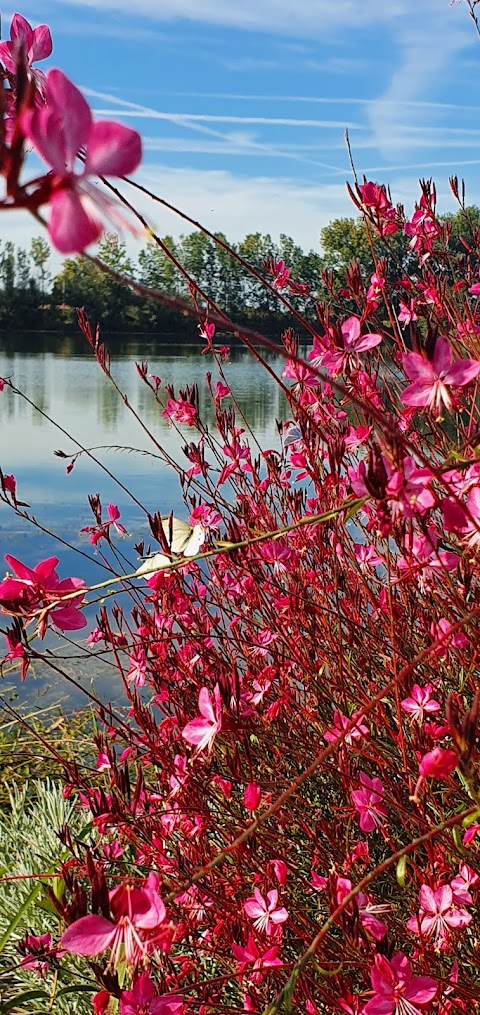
[
  {"x": 72, "y": 111},
  {"x": 73, "y": 225},
  {"x": 42, "y": 45},
  {"x": 113, "y": 150},
  {"x": 91, "y": 935}
]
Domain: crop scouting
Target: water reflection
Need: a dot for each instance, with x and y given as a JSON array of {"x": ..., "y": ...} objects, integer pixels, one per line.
[{"x": 60, "y": 376}]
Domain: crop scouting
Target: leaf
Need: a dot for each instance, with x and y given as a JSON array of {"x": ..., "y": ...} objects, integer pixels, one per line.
[
  {"x": 355, "y": 507},
  {"x": 77, "y": 988},
  {"x": 472, "y": 819},
  {"x": 401, "y": 871},
  {"x": 18, "y": 916},
  {"x": 19, "y": 1000},
  {"x": 457, "y": 838}
]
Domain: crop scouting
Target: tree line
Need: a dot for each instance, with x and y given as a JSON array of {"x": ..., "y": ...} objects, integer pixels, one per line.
[{"x": 32, "y": 298}]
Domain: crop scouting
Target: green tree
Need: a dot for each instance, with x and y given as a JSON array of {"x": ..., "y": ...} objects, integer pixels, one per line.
[
  {"x": 81, "y": 284},
  {"x": 40, "y": 255}
]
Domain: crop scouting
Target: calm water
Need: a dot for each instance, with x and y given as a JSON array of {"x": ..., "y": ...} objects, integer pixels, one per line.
[{"x": 63, "y": 381}]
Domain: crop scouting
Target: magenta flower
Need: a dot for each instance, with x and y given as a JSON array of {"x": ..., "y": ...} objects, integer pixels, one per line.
[
  {"x": 37, "y": 952},
  {"x": 252, "y": 796},
  {"x": 340, "y": 723},
  {"x": 437, "y": 764},
  {"x": 36, "y": 42},
  {"x": 180, "y": 411},
  {"x": 102, "y": 531},
  {"x": 420, "y": 701},
  {"x": 143, "y": 1000},
  {"x": 138, "y": 667},
  {"x": 250, "y": 955},
  {"x": 396, "y": 990},
  {"x": 342, "y": 354},
  {"x": 201, "y": 732},
  {"x": 368, "y": 802},
  {"x": 265, "y": 915},
  {"x": 31, "y": 591},
  {"x": 58, "y": 131},
  {"x": 461, "y": 885},
  {"x": 367, "y": 556},
  {"x": 432, "y": 378},
  {"x": 438, "y": 915},
  {"x": 407, "y": 312},
  {"x": 132, "y": 933},
  {"x": 368, "y": 911},
  {"x": 407, "y": 489}
]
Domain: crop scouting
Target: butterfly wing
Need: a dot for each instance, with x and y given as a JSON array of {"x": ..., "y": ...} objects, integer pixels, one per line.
[
  {"x": 176, "y": 533},
  {"x": 183, "y": 538},
  {"x": 153, "y": 563},
  {"x": 195, "y": 541}
]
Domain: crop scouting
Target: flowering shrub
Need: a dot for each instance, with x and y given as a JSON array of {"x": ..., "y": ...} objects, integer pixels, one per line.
[{"x": 303, "y": 758}]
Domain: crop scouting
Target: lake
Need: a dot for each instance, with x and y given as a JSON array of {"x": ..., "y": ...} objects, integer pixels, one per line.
[{"x": 60, "y": 376}]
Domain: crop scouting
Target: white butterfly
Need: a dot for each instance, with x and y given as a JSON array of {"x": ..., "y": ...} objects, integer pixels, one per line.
[{"x": 183, "y": 539}]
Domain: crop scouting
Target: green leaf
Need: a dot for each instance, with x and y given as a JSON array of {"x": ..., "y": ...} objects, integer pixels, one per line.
[
  {"x": 31, "y": 897},
  {"x": 457, "y": 838},
  {"x": 472, "y": 819},
  {"x": 401, "y": 871},
  {"x": 78, "y": 988},
  {"x": 20, "y": 999}
]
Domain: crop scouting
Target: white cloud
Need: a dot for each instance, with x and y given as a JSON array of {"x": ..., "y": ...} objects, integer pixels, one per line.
[
  {"x": 423, "y": 58},
  {"x": 276, "y": 17}
]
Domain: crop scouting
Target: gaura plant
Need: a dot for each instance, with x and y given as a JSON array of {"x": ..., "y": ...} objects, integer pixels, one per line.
[{"x": 288, "y": 814}]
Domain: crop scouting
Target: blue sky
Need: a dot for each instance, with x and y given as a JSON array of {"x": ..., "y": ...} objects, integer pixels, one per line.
[{"x": 243, "y": 105}]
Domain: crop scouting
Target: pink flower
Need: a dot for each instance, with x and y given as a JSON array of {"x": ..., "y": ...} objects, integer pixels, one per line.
[
  {"x": 138, "y": 914},
  {"x": 437, "y": 764},
  {"x": 280, "y": 870},
  {"x": 265, "y": 915},
  {"x": 102, "y": 763},
  {"x": 367, "y": 910},
  {"x": 318, "y": 882},
  {"x": 180, "y": 411},
  {"x": 470, "y": 834},
  {"x": 438, "y": 915},
  {"x": 253, "y": 796},
  {"x": 396, "y": 991},
  {"x": 367, "y": 801},
  {"x": 250, "y": 955},
  {"x": 367, "y": 556},
  {"x": 37, "y": 952},
  {"x": 59, "y": 130},
  {"x": 16, "y": 650},
  {"x": 33, "y": 590},
  {"x": 407, "y": 489},
  {"x": 432, "y": 378},
  {"x": 407, "y": 312},
  {"x": 423, "y": 559},
  {"x": 36, "y": 42},
  {"x": 201, "y": 732},
  {"x": 102, "y": 531},
  {"x": 419, "y": 702},
  {"x": 101, "y": 1002},
  {"x": 375, "y": 197},
  {"x": 340, "y": 723},
  {"x": 138, "y": 667},
  {"x": 143, "y": 1000},
  {"x": 441, "y": 632},
  {"x": 461, "y": 885},
  {"x": 348, "y": 341}
]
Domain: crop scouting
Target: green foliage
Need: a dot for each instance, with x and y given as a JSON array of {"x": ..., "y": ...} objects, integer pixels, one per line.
[
  {"x": 29, "y": 298},
  {"x": 30, "y": 844}
]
